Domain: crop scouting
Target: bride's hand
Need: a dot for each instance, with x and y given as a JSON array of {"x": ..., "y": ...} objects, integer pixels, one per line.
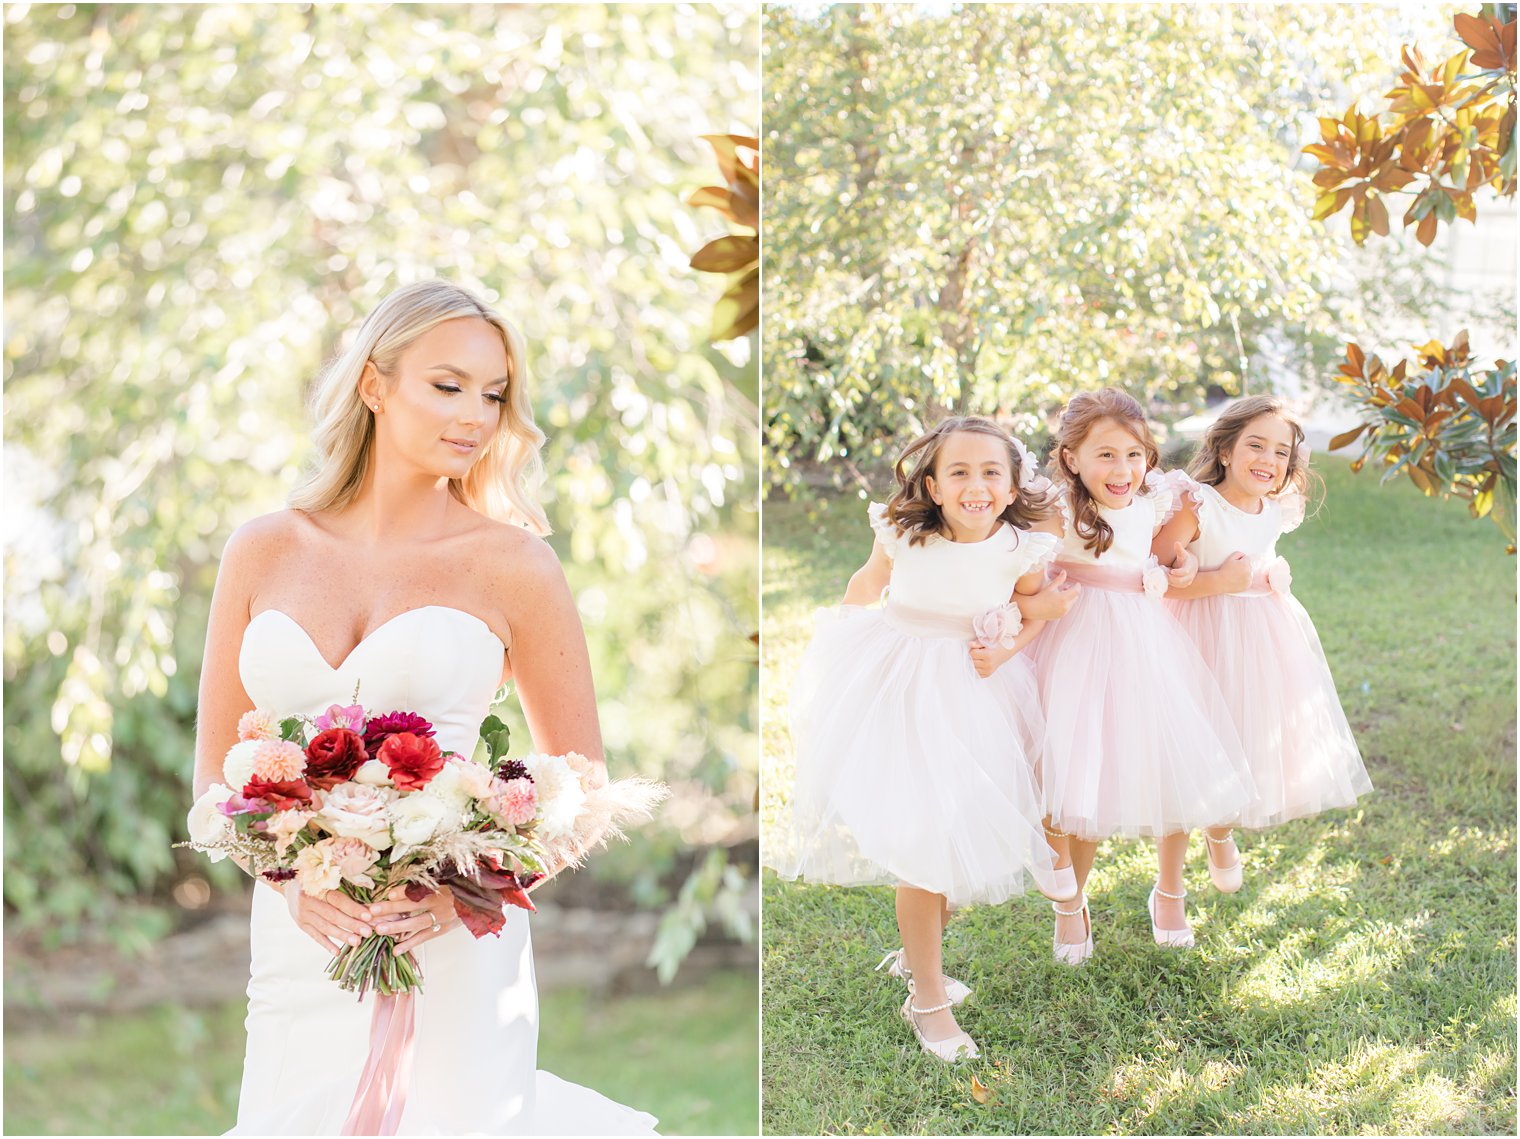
[
  {"x": 413, "y": 923},
  {"x": 332, "y": 920}
]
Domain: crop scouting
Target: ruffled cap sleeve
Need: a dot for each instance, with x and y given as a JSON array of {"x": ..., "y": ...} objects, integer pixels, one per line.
[
  {"x": 1036, "y": 548},
  {"x": 1291, "y": 503},
  {"x": 886, "y": 533},
  {"x": 1169, "y": 493}
]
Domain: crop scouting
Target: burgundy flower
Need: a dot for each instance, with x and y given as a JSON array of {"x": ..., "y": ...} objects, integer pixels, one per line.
[
  {"x": 512, "y": 769},
  {"x": 280, "y": 796},
  {"x": 413, "y": 760},
  {"x": 380, "y": 728},
  {"x": 332, "y": 757},
  {"x": 280, "y": 874}
]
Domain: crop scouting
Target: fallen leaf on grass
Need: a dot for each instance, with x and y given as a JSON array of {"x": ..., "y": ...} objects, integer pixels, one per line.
[{"x": 980, "y": 1092}]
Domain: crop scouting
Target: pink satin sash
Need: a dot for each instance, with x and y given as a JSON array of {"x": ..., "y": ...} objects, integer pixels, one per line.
[
  {"x": 381, "y": 1096},
  {"x": 1102, "y": 577}
]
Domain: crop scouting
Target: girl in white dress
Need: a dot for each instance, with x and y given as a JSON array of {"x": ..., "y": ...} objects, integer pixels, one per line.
[
  {"x": 1138, "y": 740},
  {"x": 409, "y": 565},
  {"x": 1245, "y": 487},
  {"x": 914, "y": 735}
]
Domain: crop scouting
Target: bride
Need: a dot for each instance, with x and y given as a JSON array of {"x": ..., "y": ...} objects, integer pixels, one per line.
[{"x": 410, "y": 565}]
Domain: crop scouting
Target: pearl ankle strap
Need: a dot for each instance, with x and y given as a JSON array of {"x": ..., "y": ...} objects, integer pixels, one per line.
[
  {"x": 1219, "y": 841},
  {"x": 926, "y": 1011},
  {"x": 1174, "y": 897},
  {"x": 1069, "y": 913}
]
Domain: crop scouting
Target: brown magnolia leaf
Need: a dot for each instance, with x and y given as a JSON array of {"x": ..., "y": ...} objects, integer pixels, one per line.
[
  {"x": 1377, "y": 215},
  {"x": 1408, "y": 408},
  {"x": 1347, "y": 437},
  {"x": 1360, "y": 225},
  {"x": 715, "y": 196},
  {"x": 1421, "y": 480},
  {"x": 1329, "y": 129},
  {"x": 738, "y": 309},
  {"x": 1432, "y": 353},
  {"x": 726, "y": 254},
  {"x": 1426, "y": 233},
  {"x": 980, "y": 1092}
]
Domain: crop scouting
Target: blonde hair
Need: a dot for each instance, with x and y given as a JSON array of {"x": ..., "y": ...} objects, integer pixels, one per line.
[
  {"x": 913, "y": 511},
  {"x": 1082, "y": 413},
  {"x": 504, "y": 481}
]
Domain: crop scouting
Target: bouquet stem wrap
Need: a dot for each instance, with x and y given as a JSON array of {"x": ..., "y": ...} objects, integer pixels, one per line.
[{"x": 381, "y": 1096}]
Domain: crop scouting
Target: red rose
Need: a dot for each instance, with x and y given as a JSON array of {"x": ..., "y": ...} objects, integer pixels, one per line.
[
  {"x": 280, "y": 796},
  {"x": 413, "y": 760},
  {"x": 333, "y": 757}
]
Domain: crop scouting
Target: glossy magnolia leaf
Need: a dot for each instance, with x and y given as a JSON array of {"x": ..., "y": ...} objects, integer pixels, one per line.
[
  {"x": 1347, "y": 437},
  {"x": 726, "y": 255},
  {"x": 738, "y": 310},
  {"x": 714, "y": 196}
]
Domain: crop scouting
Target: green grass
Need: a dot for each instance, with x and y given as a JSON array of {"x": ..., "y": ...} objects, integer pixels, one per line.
[
  {"x": 686, "y": 1055},
  {"x": 1363, "y": 981}
]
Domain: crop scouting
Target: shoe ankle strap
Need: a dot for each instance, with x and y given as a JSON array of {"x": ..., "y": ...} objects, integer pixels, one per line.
[
  {"x": 1219, "y": 841},
  {"x": 895, "y": 958},
  {"x": 913, "y": 1008},
  {"x": 1070, "y": 913},
  {"x": 1175, "y": 897}
]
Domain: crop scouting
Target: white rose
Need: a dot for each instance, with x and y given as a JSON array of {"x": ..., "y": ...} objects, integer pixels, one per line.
[
  {"x": 475, "y": 779},
  {"x": 560, "y": 795},
  {"x": 237, "y": 768},
  {"x": 207, "y": 824},
  {"x": 317, "y": 869},
  {"x": 415, "y": 818},
  {"x": 448, "y": 787},
  {"x": 352, "y": 810},
  {"x": 373, "y": 773}
]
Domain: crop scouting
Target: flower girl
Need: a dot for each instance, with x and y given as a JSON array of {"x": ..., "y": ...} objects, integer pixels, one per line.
[
  {"x": 916, "y": 724},
  {"x": 1244, "y": 488}
]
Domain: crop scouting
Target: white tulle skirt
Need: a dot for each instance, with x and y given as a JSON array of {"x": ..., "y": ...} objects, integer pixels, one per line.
[
  {"x": 1138, "y": 739},
  {"x": 1266, "y": 656},
  {"x": 910, "y": 767},
  {"x": 474, "y": 1065}
]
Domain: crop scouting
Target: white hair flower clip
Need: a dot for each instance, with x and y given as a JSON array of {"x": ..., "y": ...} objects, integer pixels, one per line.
[{"x": 1027, "y": 467}]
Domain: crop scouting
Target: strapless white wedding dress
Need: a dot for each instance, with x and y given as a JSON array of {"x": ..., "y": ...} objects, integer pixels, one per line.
[{"x": 474, "y": 1066}]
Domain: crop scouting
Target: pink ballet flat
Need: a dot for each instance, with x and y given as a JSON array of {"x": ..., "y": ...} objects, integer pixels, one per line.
[
  {"x": 953, "y": 1048},
  {"x": 1226, "y": 879},
  {"x": 1171, "y": 938},
  {"x": 1073, "y": 954}
]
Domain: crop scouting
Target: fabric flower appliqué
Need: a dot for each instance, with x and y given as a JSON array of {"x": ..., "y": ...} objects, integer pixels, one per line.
[
  {"x": 1154, "y": 578},
  {"x": 1279, "y": 576},
  {"x": 998, "y": 626}
]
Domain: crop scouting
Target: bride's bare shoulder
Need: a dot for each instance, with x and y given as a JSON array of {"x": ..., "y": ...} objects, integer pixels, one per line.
[
  {"x": 261, "y": 539},
  {"x": 519, "y": 554}
]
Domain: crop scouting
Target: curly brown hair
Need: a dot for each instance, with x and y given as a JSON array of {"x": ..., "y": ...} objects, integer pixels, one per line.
[
  {"x": 917, "y": 515},
  {"x": 1082, "y": 413},
  {"x": 1220, "y": 439}
]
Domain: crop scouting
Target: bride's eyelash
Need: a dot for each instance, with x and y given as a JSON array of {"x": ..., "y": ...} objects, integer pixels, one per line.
[{"x": 494, "y": 397}]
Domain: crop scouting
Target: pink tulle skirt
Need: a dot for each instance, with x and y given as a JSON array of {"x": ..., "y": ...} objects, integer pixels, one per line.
[
  {"x": 1266, "y": 656},
  {"x": 1138, "y": 739},
  {"x": 910, "y": 767}
]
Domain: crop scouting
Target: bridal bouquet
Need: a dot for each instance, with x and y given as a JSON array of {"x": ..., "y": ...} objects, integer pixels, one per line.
[{"x": 359, "y": 802}]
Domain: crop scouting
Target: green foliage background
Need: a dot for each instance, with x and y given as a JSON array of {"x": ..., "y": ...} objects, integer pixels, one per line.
[
  {"x": 199, "y": 201},
  {"x": 991, "y": 207}
]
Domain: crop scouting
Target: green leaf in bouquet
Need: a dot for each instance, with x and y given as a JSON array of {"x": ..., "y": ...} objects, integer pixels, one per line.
[
  {"x": 496, "y": 736},
  {"x": 290, "y": 729}
]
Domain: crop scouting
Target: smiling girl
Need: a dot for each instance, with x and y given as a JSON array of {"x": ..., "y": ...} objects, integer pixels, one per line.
[
  {"x": 1138, "y": 739},
  {"x": 1247, "y": 487},
  {"x": 914, "y": 734}
]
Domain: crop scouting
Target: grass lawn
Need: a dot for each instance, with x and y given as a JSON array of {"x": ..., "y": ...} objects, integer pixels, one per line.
[
  {"x": 1363, "y": 980},
  {"x": 173, "y": 1071}
]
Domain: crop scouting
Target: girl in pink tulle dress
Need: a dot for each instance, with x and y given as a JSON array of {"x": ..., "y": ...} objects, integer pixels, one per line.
[
  {"x": 1244, "y": 488},
  {"x": 916, "y": 724},
  {"x": 1138, "y": 740}
]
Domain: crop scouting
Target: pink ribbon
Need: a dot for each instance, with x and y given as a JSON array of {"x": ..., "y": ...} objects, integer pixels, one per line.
[
  {"x": 1117, "y": 580},
  {"x": 381, "y": 1097}
]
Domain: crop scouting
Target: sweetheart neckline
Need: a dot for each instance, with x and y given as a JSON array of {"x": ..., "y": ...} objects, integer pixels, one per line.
[{"x": 364, "y": 640}]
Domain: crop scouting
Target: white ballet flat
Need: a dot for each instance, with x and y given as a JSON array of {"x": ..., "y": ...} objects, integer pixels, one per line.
[
  {"x": 1073, "y": 954},
  {"x": 1171, "y": 938},
  {"x": 952, "y": 1049},
  {"x": 1226, "y": 879},
  {"x": 955, "y": 990}
]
